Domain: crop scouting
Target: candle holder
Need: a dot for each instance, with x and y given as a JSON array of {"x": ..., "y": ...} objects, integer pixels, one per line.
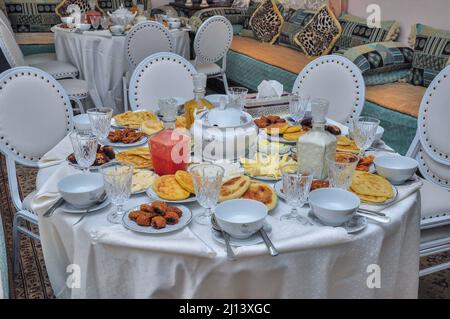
[{"x": 204, "y": 4}]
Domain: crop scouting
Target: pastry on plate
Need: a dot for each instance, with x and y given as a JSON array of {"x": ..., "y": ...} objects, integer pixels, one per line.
[
  {"x": 142, "y": 180},
  {"x": 134, "y": 119},
  {"x": 185, "y": 180},
  {"x": 234, "y": 188},
  {"x": 138, "y": 157},
  {"x": 168, "y": 188},
  {"x": 262, "y": 193},
  {"x": 371, "y": 188}
]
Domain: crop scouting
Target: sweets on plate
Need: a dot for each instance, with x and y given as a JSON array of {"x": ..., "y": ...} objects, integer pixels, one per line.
[
  {"x": 262, "y": 193},
  {"x": 157, "y": 215}
]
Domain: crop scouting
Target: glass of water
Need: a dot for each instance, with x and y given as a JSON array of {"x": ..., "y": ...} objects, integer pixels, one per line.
[
  {"x": 104, "y": 21},
  {"x": 100, "y": 119},
  {"x": 84, "y": 145},
  {"x": 298, "y": 105},
  {"x": 96, "y": 22},
  {"x": 296, "y": 187},
  {"x": 364, "y": 131},
  {"x": 341, "y": 168},
  {"x": 117, "y": 178},
  {"x": 207, "y": 184},
  {"x": 237, "y": 96}
]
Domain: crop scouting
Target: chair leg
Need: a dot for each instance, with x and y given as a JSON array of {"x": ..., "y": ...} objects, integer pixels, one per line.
[
  {"x": 16, "y": 243},
  {"x": 225, "y": 82},
  {"x": 125, "y": 94}
]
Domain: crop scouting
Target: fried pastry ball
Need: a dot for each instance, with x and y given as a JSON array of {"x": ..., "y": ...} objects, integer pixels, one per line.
[
  {"x": 158, "y": 222},
  {"x": 135, "y": 214},
  {"x": 171, "y": 218},
  {"x": 176, "y": 210},
  {"x": 160, "y": 207},
  {"x": 144, "y": 219},
  {"x": 147, "y": 208}
]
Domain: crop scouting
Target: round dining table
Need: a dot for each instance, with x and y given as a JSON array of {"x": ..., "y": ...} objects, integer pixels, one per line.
[
  {"x": 96, "y": 259},
  {"x": 101, "y": 60}
]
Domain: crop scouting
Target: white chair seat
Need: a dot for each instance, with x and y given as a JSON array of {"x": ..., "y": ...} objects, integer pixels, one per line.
[
  {"x": 207, "y": 68},
  {"x": 435, "y": 201},
  {"x": 58, "y": 69},
  {"x": 39, "y": 58},
  {"x": 75, "y": 88}
]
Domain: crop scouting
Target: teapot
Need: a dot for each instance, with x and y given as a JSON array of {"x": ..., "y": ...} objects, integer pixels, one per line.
[{"x": 122, "y": 15}]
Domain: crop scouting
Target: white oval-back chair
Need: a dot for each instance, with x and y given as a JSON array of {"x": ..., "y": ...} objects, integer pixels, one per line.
[
  {"x": 143, "y": 40},
  {"x": 31, "y": 124},
  {"x": 338, "y": 80},
  {"x": 66, "y": 72},
  {"x": 5, "y": 20},
  {"x": 431, "y": 148},
  {"x": 161, "y": 75},
  {"x": 211, "y": 44}
]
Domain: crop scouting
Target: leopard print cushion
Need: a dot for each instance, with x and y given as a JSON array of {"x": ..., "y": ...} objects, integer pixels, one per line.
[
  {"x": 320, "y": 34},
  {"x": 267, "y": 22}
]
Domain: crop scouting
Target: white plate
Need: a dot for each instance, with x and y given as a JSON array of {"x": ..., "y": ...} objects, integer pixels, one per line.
[
  {"x": 151, "y": 193},
  {"x": 278, "y": 189},
  {"x": 272, "y": 138},
  {"x": 142, "y": 141},
  {"x": 255, "y": 239},
  {"x": 68, "y": 208},
  {"x": 131, "y": 225},
  {"x": 264, "y": 178},
  {"x": 355, "y": 225}
]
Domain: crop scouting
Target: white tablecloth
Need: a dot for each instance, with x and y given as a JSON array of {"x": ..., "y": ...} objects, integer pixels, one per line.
[
  {"x": 315, "y": 262},
  {"x": 102, "y": 62}
]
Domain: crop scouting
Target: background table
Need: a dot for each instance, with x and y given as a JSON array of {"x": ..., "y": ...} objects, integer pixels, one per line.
[
  {"x": 102, "y": 62},
  {"x": 315, "y": 262}
]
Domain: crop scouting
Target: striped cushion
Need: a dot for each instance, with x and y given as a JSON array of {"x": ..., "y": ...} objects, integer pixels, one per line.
[
  {"x": 431, "y": 54},
  {"x": 293, "y": 23},
  {"x": 356, "y": 32}
]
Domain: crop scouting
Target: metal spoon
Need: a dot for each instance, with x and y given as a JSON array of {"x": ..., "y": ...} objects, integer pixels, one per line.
[
  {"x": 215, "y": 226},
  {"x": 273, "y": 251},
  {"x": 375, "y": 218},
  {"x": 98, "y": 202}
]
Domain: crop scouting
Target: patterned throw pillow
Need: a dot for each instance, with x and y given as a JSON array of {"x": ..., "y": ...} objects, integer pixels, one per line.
[
  {"x": 296, "y": 21},
  {"x": 375, "y": 58},
  {"x": 431, "y": 54},
  {"x": 267, "y": 22},
  {"x": 320, "y": 34},
  {"x": 356, "y": 32}
]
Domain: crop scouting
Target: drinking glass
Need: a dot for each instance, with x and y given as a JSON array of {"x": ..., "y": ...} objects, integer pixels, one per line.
[
  {"x": 117, "y": 178},
  {"x": 296, "y": 187},
  {"x": 237, "y": 96},
  {"x": 96, "y": 22},
  {"x": 100, "y": 119},
  {"x": 84, "y": 145},
  {"x": 207, "y": 183},
  {"x": 341, "y": 168},
  {"x": 298, "y": 105},
  {"x": 104, "y": 21},
  {"x": 363, "y": 132}
]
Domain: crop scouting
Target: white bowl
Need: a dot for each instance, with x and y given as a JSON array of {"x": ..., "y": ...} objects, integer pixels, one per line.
[
  {"x": 241, "y": 218},
  {"x": 334, "y": 207},
  {"x": 84, "y": 26},
  {"x": 82, "y": 190},
  {"x": 379, "y": 135},
  {"x": 174, "y": 24},
  {"x": 68, "y": 20},
  {"x": 397, "y": 169},
  {"x": 82, "y": 122},
  {"x": 116, "y": 29}
]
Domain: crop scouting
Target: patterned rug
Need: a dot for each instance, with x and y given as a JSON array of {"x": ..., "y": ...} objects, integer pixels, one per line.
[{"x": 32, "y": 282}]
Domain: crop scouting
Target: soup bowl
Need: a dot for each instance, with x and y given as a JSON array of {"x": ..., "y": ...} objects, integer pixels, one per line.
[
  {"x": 397, "y": 169},
  {"x": 82, "y": 190}
]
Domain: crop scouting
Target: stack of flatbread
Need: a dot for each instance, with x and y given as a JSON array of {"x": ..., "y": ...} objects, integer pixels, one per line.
[
  {"x": 138, "y": 157},
  {"x": 344, "y": 144},
  {"x": 371, "y": 189},
  {"x": 135, "y": 119}
]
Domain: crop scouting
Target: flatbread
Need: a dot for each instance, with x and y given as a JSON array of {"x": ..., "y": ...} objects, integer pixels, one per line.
[
  {"x": 234, "y": 188},
  {"x": 134, "y": 119},
  {"x": 168, "y": 188},
  {"x": 142, "y": 180},
  {"x": 138, "y": 157},
  {"x": 344, "y": 144},
  {"x": 262, "y": 193},
  {"x": 185, "y": 180},
  {"x": 368, "y": 184}
]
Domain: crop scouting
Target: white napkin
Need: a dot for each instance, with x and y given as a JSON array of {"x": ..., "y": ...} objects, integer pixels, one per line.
[
  {"x": 48, "y": 194},
  {"x": 99, "y": 33},
  {"x": 268, "y": 89},
  {"x": 58, "y": 154},
  {"x": 183, "y": 242}
]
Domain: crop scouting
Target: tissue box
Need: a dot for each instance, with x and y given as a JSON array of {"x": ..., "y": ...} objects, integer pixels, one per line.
[{"x": 267, "y": 106}]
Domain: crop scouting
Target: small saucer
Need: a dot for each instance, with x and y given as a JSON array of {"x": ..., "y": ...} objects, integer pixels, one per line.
[
  {"x": 68, "y": 208},
  {"x": 355, "y": 225},
  {"x": 255, "y": 239}
]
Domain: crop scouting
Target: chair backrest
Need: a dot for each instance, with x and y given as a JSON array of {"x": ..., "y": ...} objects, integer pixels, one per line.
[
  {"x": 147, "y": 38},
  {"x": 33, "y": 123},
  {"x": 10, "y": 48},
  {"x": 213, "y": 39},
  {"x": 338, "y": 80},
  {"x": 431, "y": 147},
  {"x": 5, "y": 20},
  {"x": 161, "y": 75}
]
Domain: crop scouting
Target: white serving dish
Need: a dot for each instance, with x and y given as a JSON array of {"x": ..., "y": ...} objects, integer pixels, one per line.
[
  {"x": 397, "y": 169},
  {"x": 334, "y": 207},
  {"x": 82, "y": 122},
  {"x": 84, "y": 26},
  {"x": 116, "y": 29},
  {"x": 68, "y": 20},
  {"x": 82, "y": 190},
  {"x": 122, "y": 16},
  {"x": 174, "y": 24},
  {"x": 241, "y": 218}
]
